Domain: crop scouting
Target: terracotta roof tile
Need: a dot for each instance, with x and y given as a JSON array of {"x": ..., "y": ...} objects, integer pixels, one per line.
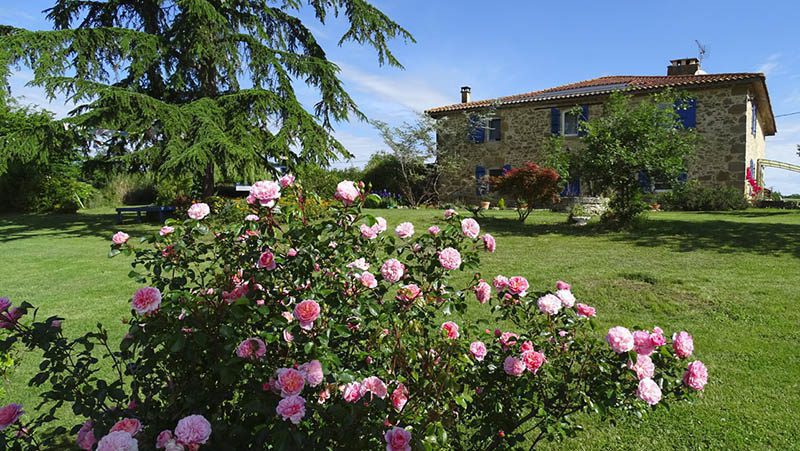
[{"x": 604, "y": 85}]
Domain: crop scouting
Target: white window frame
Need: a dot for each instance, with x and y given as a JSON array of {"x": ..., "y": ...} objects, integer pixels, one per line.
[
  {"x": 487, "y": 130},
  {"x": 564, "y": 123}
]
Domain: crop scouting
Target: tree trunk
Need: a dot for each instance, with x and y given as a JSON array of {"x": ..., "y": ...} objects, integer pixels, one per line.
[{"x": 208, "y": 181}]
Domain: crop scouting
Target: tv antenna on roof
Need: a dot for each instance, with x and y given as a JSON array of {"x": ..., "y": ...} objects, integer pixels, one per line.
[{"x": 702, "y": 51}]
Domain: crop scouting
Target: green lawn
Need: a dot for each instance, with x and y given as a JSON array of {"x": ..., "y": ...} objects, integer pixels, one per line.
[{"x": 731, "y": 279}]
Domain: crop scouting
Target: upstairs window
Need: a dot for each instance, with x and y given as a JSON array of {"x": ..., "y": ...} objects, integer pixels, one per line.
[
  {"x": 493, "y": 132},
  {"x": 569, "y": 123}
]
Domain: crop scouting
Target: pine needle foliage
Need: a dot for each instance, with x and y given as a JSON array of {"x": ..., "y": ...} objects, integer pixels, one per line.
[{"x": 205, "y": 87}]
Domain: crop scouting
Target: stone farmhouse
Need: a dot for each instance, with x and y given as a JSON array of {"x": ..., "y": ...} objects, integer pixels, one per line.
[{"x": 731, "y": 113}]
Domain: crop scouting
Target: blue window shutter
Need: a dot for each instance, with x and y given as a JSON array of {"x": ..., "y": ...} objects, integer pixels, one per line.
[
  {"x": 476, "y": 133},
  {"x": 506, "y": 168},
  {"x": 573, "y": 188},
  {"x": 480, "y": 172},
  {"x": 555, "y": 121},
  {"x": 584, "y": 118},
  {"x": 754, "y": 119},
  {"x": 687, "y": 112}
]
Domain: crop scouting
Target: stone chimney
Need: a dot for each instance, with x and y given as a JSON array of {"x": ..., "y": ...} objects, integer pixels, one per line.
[
  {"x": 685, "y": 66},
  {"x": 465, "y": 94}
]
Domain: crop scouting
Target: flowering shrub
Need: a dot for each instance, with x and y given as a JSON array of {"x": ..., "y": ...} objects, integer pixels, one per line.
[{"x": 282, "y": 332}]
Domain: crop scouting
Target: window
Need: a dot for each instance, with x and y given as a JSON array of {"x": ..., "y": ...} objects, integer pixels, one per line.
[
  {"x": 495, "y": 172},
  {"x": 493, "y": 132},
  {"x": 569, "y": 121}
]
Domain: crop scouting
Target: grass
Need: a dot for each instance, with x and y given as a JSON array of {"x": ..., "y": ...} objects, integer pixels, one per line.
[{"x": 731, "y": 279}]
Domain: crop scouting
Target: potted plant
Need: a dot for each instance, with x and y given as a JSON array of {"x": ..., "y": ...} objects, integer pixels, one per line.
[{"x": 579, "y": 215}]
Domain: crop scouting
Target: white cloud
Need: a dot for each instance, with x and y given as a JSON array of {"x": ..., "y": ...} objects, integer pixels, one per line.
[
  {"x": 771, "y": 65},
  {"x": 360, "y": 144},
  {"x": 396, "y": 96}
]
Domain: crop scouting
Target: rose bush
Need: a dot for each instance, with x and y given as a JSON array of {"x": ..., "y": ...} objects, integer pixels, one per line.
[{"x": 281, "y": 331}]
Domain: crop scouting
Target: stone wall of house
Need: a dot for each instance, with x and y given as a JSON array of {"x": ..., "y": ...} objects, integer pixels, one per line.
[
  {"x": 724, "y": 148},
  {"x": 755, "y": 148}
]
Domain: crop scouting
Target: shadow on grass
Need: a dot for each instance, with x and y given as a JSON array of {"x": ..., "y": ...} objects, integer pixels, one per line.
[
  {"x": 14, "y": 227},
  {"x": 719, "y": 235}
]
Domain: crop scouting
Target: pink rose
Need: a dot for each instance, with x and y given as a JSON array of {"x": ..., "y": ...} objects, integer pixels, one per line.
[
  {"x": 375, "y": 386},
  {"x": 360, "y": 263},
  {"x": 251, "y": 218},
  {"x": 683, "y": 344},
  {"x": 434, "y": 230},
  {"x": 489, "y": 243},
  {"x": 193, "y": 430},
  {"x": 620, "y": 339},
  {"x": 292, "y": 252},
  {"x": 290, "y": 381},
  {"x": 649, "y": 391},
  {"x": 561, "y": 285},
  {"x": 9, "y": 415},
  {"x": 292, "y": 408},
  {"x": 404, "y": 230},
  {"x": 9, "y": 318},
  {"x": 267, "y": 261},
  {"x": 478, "y": 350},
  {"x": 199, "y": 211},
  {"x": 526, "y": 346},
  {"x": 312, "y": 371},
  {"x": 399, "y": 397},
  {"x": 549, "y": 304},
  {"x": 352, "y": 392},
  {"x": 508, "y": 339},
  {"x": 265, "y": 193},
  {"x": 483, "y": 291},
  {"x": 368, "y": 280},
  {"x": 513, "y": 366},
  {"x": 130, "y": 425},
  {"x": 146, "y": 300},
  {"x": 380, "y": 224},
  {"x": 470, "y": 228},
  {"x": 306, "y": 313},
  {"x": 392, "y": 270},
  {"x": 450, "y": 258},
  {"x": 449, "y": 213},
  {"x": 118, "y": 441},
  {"x": 408, "y": 293},
  {"x": 585, "y": 310},
  {"x": 397, "y": 439},
  {"x": 252, "y": 348},
  {"x": 500, "y": 282},
  {"x": 518, "y": 285},
  {"x": 696, "y": 375},
  {"x": 368, "y": 232},
  {"x": 566, "y": 297},
  {"x": 642, "y": 343},
  {"x": 657, "y": 337},
  {"x": 166, "y": 230},
  {"x": 286, "y": 181},
  {"x": 346, "y": 192},
  {"x": 86, "y": 439},
  {"x": 452, "y": 329},
  {"x": 533, "y": 360},
  {"x": 120, "y": 238},
  {"x": 165, "y": 439},
  {"x": 643, "y": 367}
]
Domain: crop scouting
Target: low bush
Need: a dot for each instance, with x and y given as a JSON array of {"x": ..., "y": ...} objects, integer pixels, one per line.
[
  {"x": 693, "y": 196},
  {"x": 283, "y": 331}
]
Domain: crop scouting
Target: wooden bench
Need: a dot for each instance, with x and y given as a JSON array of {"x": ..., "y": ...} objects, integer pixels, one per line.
[{"x": 144, "y": 209}]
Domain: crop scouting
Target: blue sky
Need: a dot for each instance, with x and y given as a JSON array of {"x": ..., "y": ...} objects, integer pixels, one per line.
[{"x": 508, "y": 47}]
